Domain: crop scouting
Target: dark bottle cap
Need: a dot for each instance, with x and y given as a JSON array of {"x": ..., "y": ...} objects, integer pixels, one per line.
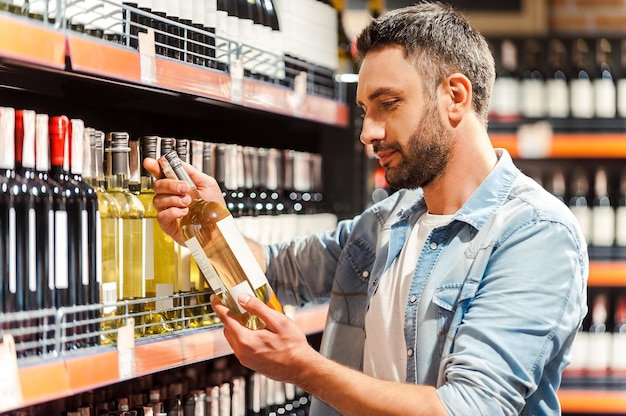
[
  {"x": 147, "y": 148},
  {"x": 167, "y": 144}
]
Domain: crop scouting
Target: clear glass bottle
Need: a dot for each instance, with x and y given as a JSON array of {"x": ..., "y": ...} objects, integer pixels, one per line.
[
  {"x": 160, "y": 254},
  {"x": 603, "y": 212},
  {"x": 221, "y": 250},
  {"x": 132, "y": 284}
]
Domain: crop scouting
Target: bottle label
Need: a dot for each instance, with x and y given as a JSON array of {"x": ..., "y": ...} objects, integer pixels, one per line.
[
  {"x": 533, "y": 98},
  {"x": 148, "y": 239},
  {"x": 98, "y": 248},
  {"x": 583, "y": 215},
  {"x": 84, "y": 249},
  {"x": 621, "y": 97},
  {"x": 12, "y": 252},
  {"x": 60, "y": 250},
  {"x": 242, "y": 252},
  {"x": 32, "y": 249},
  {"x": 51, "y": 241},
  {"x": 235, "y": 291},
  {"x": 599, "y": 349},
  {"x": 557, "y": 98},
  {"x": 603, "y": 226},
  {"x": 605, "y": 97},
  {"x": 581, "y": 98},
  {"x": 205, "y": 266},
  {"x": 618, "y": 358},
  {"x": 620, "y": 226}
]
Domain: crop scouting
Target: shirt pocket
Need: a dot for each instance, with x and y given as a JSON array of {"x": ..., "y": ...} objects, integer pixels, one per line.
[
  {"x": 349, "y": 292},
  {"x": 453, "y": 300}
]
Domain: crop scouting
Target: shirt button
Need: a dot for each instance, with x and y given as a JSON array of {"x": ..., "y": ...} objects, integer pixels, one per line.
[
  {"x": 433, "y": 245},
  {"x": 413, "y": 299},
  {"x": 365, "y": 274},
  {"x": 409, "y": 352}
]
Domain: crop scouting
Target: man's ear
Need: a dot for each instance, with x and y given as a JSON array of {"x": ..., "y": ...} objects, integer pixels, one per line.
[{"x": 457, "y": 89}]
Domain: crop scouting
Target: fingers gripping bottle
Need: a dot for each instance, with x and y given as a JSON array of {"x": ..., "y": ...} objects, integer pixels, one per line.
[{"x": 220, "y": 249}]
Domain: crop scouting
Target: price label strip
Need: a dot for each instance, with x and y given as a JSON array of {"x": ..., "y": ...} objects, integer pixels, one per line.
[
  {"x": 126, "y": 350},
  {"x": 10, "y": 388}
]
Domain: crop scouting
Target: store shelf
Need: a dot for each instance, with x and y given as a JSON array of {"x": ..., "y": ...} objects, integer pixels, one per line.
[
  {"x": 593, "y": 401},
  {"x": 607, "y": 273},
  {"x": 565, "y": 145},
  {"x": 95, "y": 367},
  {"x": 27, "y": 42}
]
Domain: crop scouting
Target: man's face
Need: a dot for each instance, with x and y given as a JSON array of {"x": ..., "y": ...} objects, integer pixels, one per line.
[{"x": 404, "y": 128}]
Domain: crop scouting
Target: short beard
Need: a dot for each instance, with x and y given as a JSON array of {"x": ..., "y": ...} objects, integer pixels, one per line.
[{"x": 427, "y": 153}]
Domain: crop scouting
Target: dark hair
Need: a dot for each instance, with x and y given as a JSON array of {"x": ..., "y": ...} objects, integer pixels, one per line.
[{"x": 440, "y": 41}]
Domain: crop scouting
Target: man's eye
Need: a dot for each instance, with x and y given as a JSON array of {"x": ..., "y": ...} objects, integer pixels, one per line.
[{"x": 388, "y": 104}]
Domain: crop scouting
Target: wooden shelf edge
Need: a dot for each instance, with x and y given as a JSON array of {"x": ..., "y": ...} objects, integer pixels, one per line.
[
  {"x": 78, "y": 372},
  {"x": 579, "y": 145},
  {"x": 593, "y": 401}
]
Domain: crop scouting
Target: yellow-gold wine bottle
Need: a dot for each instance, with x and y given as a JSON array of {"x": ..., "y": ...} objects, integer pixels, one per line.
[{"x": 220, "y": 249}]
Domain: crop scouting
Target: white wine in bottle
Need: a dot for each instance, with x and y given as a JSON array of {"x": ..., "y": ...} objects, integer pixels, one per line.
[{"x": 220, "y": 249}]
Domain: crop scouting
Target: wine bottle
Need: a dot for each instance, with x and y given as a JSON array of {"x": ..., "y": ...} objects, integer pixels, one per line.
[
  {"x": 604, "y": 90},
  {"x": 210, "y": 22},
  {"x": 248, "y": 34},
  {"x": 108, "y": 271},
  {"x": 277, "y": 61},
  {"x": 579, "y": 203},
  {"x": 198, "y": 50},
  {"x": 160, "y": 255},
  {"x": 56, "y": 234},
  {"x": 88, "y": 287},
  {"x": 506, "y": 89},
  {"x": 344, "y": 46},
  {"x": 621, "y": 80},
  {"x": 69, "y": 254},
  {"x": 220, "y": 250},
  {"x": 132, "y": 285},
  {"x": 175, "y": 31},
  {"x": 532, "y": 89},
  {"x": 15, "y": 205},
  {"x": 37, "y": 293},
  {"x": 603, "y": 212},
  {"x": 581, "y": 88},
  {"x": 620, "y": 213},
  {"x": 618, "y": 358},
  {"x": 599, "y": 337},
  {"x": 161, "y": 27},
  {"x": 557, "y": 89}
]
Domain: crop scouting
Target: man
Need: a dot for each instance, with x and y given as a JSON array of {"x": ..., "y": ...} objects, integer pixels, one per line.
[{"x": 459, "y": 294}]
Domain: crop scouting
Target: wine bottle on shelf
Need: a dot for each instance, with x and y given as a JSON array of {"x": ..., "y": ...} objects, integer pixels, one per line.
[
  {"x": 131, "y": 23},
  {"x": 15, "y": 204},
  {"x": 221, "y": 251},
  {"x": 276, "y": 67},
  {"x": 161, "y": 27},
  {"x": 557, "y": 185},
  {"x": 506, "y": 89},
  {"x": 249, "y": 222},
  {"x": 620, "y": 213},
  {"x": 210, "y": 24},
  {"x": 603, "y": 212},
  {"x": 197, "y": 42},
  {"x": 42, "y": 167},
  {"x": 175, "y": 31},
  {"x": 132, "y": 285},
  {"x": 134, "y": 175},
  {"x": 36, "y": 291},
  {"x": 579, "y": 203},
  {"x": 248, "y": 33},
  {"x": 557, "y": 89},
  {"x": 88, "y": 293},
  {"x": 621, "y": 80},
  {"x": 618, "y": 358},
  {"x": 160, "y": 254},
  {"x": 345, "y": 63},
  {"x": 69, "y": 257},
  {"x": 599, "y": 337},
  {"x": 532, "y": 89},
  {"x": 581, "y": 88},
  {"x": 604, "y": 90},
  {"x": 108, "y": 271}
]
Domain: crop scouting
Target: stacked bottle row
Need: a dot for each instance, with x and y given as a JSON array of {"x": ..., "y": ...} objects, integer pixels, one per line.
[
  {"x": 559, "y": 78},
  {"x": 598, "y": 355},
  {"x": 219, "y": 388},
  {"x": 79, "y": 227},
  {"x": 596, "y": 194},
  {"x": 211, "y": 33}
]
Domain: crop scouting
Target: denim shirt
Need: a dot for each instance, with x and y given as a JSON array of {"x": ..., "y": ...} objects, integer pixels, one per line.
[{"x": 494, "y": 304}]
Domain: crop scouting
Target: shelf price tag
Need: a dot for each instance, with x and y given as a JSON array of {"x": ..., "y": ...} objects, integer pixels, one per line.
[
  {"x": 10, "y": 388},
  {"x": 534, "y": 141},
  {"x": 126, "y": 350},
  {"x": 297, "y": 98},
  {"x": 147, "y": 57},
  {"x": 236, "y": 80}
]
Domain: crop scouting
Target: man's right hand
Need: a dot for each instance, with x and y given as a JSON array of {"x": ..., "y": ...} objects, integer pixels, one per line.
[{"x": 172, "y": 196}]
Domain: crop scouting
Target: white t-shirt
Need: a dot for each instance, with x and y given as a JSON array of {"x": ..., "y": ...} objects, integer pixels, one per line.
[{"x": 385, "y": 347}]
